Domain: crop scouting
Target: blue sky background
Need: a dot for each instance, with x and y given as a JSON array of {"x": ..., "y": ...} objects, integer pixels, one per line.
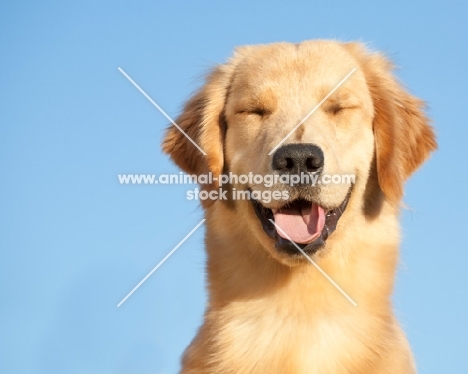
[{"x": 73, "y": 242}]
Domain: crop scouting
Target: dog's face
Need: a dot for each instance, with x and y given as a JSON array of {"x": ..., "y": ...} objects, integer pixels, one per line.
[{"x": 246, "y": 116}]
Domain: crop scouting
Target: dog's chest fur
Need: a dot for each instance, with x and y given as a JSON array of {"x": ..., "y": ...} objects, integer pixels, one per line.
[
  {"x": 252, "y": 337},
  {"x": 273, "y": 343}
]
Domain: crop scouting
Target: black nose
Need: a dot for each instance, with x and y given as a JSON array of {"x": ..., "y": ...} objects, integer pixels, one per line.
[{"x": 298, "y": 158}]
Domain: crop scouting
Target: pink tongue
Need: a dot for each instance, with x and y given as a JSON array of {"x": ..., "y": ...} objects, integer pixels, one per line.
[{"x": 300, "y": 224}]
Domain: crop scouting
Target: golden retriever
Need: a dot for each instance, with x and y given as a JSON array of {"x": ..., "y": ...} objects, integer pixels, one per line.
[{"x": 270, "y": 311}]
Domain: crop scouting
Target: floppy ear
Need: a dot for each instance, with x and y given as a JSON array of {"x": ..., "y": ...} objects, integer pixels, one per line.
[
  {"x": 403, "y": 137},
  {"x": 201, "y": 121}
]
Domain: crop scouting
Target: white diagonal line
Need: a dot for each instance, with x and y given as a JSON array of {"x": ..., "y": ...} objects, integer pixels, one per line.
[
  {"x": 312, "y": 111},
  {"x": 162, "y": 111},
  {"x": 313, "y": 263},
  {"x": 161, "y": 262}
]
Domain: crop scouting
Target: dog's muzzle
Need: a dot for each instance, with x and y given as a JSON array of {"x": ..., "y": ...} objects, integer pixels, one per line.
[{"x": 301, "y": 221}]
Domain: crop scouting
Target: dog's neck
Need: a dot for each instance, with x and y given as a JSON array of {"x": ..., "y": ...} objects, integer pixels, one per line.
[
  {"x": 241, "y": 270},
  {"x": 257, "y": 303}
]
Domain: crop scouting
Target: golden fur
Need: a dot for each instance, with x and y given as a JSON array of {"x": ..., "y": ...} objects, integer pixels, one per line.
[{"x": 269, "y": 313}]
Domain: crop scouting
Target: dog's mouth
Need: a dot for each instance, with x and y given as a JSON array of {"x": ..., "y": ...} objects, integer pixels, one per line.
[{"x": 303, "y": 222}]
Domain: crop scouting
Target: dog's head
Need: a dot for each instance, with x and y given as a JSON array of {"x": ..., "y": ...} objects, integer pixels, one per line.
[{"x": 368, "y": 134}]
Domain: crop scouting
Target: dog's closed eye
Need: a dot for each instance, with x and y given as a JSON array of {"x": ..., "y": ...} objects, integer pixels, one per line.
[
  {"x": 337, "y": 108},
  {"x": 260, "y": 112}
]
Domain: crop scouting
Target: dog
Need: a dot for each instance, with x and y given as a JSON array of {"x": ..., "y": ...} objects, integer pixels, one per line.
[{"x": 270, "y": 310}]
